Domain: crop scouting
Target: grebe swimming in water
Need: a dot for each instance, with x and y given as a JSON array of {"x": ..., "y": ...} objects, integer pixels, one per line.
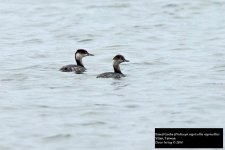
[
  {"x": 117, "y": 72},
  {"x": 79, "y": 68}
]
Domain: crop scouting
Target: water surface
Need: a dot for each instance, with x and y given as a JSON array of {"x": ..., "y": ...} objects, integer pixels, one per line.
[{"x": 175, "y": 77}]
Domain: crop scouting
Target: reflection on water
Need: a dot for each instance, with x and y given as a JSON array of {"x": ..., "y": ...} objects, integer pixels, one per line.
[
  {"x": 119, "y": 84},
  {"x": 175, "y": 77}
]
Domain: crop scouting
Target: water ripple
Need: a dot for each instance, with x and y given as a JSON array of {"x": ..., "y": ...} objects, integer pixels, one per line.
[{"x": 57, "y": 137}]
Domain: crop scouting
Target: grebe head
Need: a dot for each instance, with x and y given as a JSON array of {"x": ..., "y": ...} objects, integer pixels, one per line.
[
  {"x": 119, "y": 59},
  {"x": 116, "y": 61},
  {"x": 80, "y": 53}
]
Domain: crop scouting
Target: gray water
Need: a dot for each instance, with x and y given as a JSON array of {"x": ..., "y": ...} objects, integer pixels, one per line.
[{"x": 175, "y": 77}]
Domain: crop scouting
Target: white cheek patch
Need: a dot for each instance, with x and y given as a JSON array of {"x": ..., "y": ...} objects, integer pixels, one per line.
[
  {"x": 115, "y": 62},
  {"x": 79, "y": 56}
]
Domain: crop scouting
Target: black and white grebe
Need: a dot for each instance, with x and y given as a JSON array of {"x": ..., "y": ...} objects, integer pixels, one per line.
[
  {"x": 117, "y": 72},
  {"x": 79, "y": 68}
]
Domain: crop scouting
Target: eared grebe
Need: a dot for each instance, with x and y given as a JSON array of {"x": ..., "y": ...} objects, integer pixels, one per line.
[
  {"x": 117, "y": 72},
  {"x": 79, "y": 68}
]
